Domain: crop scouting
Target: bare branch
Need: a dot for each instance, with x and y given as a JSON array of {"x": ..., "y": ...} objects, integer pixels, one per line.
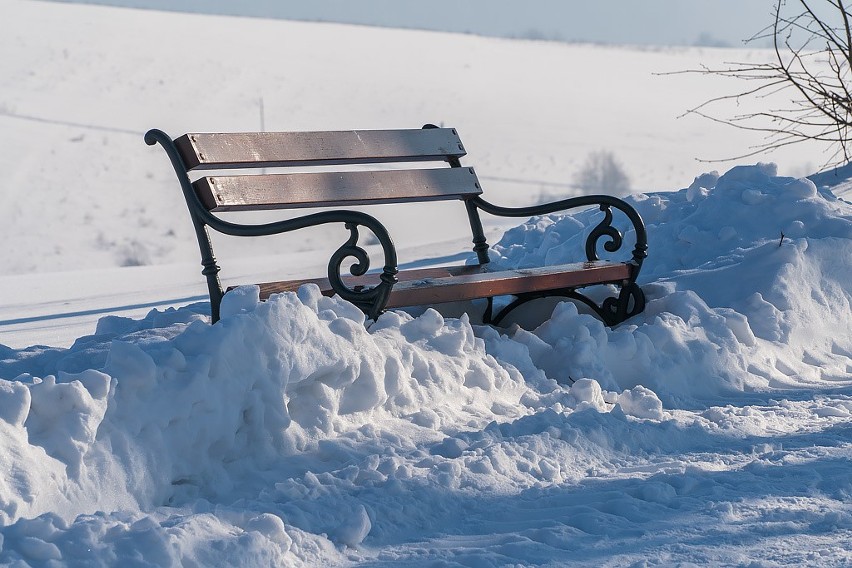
[{"x": 813, "y": 60}]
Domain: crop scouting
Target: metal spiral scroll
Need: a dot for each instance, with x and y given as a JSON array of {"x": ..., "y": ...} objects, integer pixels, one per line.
[
  {"x": 630, "y": 301},
  {"x": 371, "y": 300},
  {"x": 603, "y": 229},
  {"x": 613, "y": 310}
]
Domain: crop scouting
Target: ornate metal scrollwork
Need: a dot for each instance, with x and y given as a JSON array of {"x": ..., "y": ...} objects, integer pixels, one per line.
[
  {"x": 349, "y": 249},
  {"x": 630, "y": 299},
  {"x": 603, "y": 229},
  {"x": 371, "y": 300}
]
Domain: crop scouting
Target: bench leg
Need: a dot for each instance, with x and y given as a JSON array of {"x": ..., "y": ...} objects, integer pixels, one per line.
[
  {"x": 630, "y": 301},
  {"x": 210, "y": 268}
]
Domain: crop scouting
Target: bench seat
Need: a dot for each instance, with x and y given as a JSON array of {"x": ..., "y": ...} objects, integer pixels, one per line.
[
  {"x": 240, "y": 182},
  {"x": 427, "y": 286}
]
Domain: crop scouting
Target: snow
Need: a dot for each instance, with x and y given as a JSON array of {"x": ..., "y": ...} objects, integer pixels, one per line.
[
  {"x": 711, "y": 429},
  {"x": 79, "y": 95}
]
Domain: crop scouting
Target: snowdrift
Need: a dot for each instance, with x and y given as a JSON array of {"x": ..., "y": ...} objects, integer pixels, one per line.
[
  {"x": 290, "y": 433},
  {"x": 748, "y": 281}
]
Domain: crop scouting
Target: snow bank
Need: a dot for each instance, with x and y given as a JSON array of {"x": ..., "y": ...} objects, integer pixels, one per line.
[
  {"x": 182, "y": 411},
  {"x": 290, "y": 433},
  {"x": 748, "y": 282},
  {"x": 188, "y": 403}
]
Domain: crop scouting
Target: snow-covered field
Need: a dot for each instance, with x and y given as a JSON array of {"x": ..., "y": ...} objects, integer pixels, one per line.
[{"x": 712, "y": 429}]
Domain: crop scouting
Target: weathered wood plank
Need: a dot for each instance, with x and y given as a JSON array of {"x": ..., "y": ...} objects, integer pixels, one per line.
[
  {"x": 438, "y": 285},
  {"x": 329, "y": 189},
  {"x": 269, "y": 288},
  {"x": 488, "y": 284},
  {"x": 268, "y": 149}
]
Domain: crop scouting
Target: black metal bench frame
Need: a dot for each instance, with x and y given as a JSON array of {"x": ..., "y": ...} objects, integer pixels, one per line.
[{"x": 186, "y": 156}]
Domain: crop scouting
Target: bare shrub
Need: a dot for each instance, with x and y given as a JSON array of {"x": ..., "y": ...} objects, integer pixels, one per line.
[
  {"x": 133, "y": 253},
  {"x": 812, "y": 42},
  {"x": 602, "y": 173}
]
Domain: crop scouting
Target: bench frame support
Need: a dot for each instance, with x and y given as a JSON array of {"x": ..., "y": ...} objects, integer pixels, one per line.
[{"x": 628, "y": 301}]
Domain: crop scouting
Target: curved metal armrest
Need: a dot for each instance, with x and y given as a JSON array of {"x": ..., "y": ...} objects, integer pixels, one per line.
[
  {"x": 604, "y": 228},
  {"x": 371, "y": 300}
]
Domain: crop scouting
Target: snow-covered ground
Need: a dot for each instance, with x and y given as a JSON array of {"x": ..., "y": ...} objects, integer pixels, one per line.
[{"x": 712, "y": 429}]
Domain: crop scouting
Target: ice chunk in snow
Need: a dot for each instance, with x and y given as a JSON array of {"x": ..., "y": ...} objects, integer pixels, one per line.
[
  {"x": 15, "y": 401},
  {"x": 239, "y": 300},
  {"x": 641, "y": 403},
  {"x": 355, "y": 529},
  {"x": 588, "y": 394},
  {"x": 272, "y": 527}
]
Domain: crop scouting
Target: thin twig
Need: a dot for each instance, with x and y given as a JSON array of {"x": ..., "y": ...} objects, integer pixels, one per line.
[{"x": 813, "y": 57}]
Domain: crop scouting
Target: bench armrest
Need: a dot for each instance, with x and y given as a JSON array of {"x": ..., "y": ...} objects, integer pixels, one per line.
[
  {"x": 603, "y": 229},
  {"x": 371, "y": 300}
]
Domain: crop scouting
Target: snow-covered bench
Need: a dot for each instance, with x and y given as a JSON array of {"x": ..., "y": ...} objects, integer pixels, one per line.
[{"x": 335, "y": 190}]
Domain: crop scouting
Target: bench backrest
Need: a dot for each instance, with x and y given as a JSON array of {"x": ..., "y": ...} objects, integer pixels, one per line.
[{"x": 326, "y": 188}]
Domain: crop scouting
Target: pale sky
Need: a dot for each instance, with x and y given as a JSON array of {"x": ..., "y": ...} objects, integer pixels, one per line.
[{"x": 672, "y": 22}]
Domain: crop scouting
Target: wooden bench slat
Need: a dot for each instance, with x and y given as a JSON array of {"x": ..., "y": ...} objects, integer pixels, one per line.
[
  {"x": 457, "y": 283},
  {"x": 269, "y": 149},
  {"x": 284, "y": 191},
  {"x": 269, "y": 288},
  {"x": 488, "y": 284}
]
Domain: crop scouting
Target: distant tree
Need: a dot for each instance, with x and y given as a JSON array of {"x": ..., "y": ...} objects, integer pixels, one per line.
[
  {"x": 706, "y": 39},
  {"x": 812, "y": 42},
  {"x": 602, "y": 173}
]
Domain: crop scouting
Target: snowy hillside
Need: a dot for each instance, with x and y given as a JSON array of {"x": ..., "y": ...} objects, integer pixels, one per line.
[
  {"x": 79, "y": 86},
  {"x": 712, "y": 429}
]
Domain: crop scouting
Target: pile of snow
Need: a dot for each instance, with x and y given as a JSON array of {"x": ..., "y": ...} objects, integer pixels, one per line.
[
  {"x": 290, "y": 433},
  {"x": 748, "y": 282}
]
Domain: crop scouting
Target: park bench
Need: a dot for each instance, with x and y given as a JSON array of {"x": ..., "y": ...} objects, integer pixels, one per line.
[{"x": 338, "y": 189}]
